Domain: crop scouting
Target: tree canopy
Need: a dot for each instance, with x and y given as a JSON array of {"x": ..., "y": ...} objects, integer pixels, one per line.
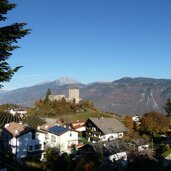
[
  {"x": 155, "y": 122},
  {"x": 167, "y": 107},
  {"x": 129, "y": 122},
  {"x": 47, "y": 95},
  {"x": 9, "y": 35}
]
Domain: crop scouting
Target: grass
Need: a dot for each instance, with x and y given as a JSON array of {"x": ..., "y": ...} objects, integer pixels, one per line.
[
  {"x": 166, "y": 153},
  {"x": 83, "y": 116}
]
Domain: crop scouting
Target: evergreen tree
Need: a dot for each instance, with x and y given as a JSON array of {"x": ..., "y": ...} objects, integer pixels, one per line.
[
  {"x": 47, "y": 95},
  {"x": 8, "y": 36},
  {"x": 167, "y": 107}
]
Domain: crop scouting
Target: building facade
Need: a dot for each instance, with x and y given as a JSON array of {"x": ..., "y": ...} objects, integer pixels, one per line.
[
  {"x": 22, "y": 141},
  {"x": 73, "y": 96},
  {"x": 61, "y": 137},
  {"x": 104, "y": 129}
]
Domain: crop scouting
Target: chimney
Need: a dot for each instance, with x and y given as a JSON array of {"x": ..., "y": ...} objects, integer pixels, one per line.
[
  {"x": 7, "y": 125},
  {"x": 16, "y": 131}
]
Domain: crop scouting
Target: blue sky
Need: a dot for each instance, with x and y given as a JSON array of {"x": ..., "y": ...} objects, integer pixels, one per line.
[{"x": 91, "y": 40}]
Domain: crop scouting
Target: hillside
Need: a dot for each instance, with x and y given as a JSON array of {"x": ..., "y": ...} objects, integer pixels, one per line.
[
  {"x": 123, "y": 96},
  {"x": 129, "y": 95}
]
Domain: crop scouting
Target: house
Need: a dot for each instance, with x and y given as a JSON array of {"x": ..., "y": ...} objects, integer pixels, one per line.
[
  {"x": 23, "y": 141},
  {"x": 111, "y": 151},
  {"x": 60, "y": 137},
  {"x": 78, "y": 126},
  {"x": 21, "y": 112},
  {"x": 136, "y": 118},
  {"x": 140, "y": 145},
  {"x": 104, "y": 129}
]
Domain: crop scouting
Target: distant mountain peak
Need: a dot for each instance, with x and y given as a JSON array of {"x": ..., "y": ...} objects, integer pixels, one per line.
[
  {"x": 66, "y": 80},
  {"x": 2, "y": 90},
  {"x": 44, "y": 82}
]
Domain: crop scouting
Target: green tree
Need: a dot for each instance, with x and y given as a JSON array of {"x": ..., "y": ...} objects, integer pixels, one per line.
[
  {"x": 155, "y": 122},
  {"x": 167, "y": 107},
  {"x": 55, "y": 160},
  {"x": 47, "y": 95},
  {"x": 8, "y": 36}
]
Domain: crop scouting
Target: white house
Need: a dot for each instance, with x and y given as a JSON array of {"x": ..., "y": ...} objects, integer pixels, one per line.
[
  {"x": 118, "y": 156},
  {"x": 104, "y": 129},
  {"x": 21, "y": 112},
  {"x": 60, "y": 137},
  {"x": 136, "y": 118},
  {"x": 143, "y": 147},
  {"x": 22, "y": 140}
]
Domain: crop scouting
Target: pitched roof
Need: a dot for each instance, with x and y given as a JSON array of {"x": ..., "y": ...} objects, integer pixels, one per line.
[
  {"x": 108, "y": 125},
  {"x": 112, "y": 146},
  {"x": 17, "y": 129},
  {"x": 77, "y": 125},
  {"x": 58, "y": 130},
  {"x": 46, "y": 126}
]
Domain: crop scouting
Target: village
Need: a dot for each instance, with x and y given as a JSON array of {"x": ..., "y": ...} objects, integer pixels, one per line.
[
  {"x": 111, "y": 108},
  {"x": 115, "y": 141}
]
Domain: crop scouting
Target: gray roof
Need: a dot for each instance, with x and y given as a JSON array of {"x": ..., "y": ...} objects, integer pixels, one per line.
[
  {"x": 108, "y": 125},
  {"x": 112, "y": 146}
]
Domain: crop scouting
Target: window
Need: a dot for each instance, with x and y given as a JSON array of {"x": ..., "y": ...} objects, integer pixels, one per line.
[
  {"x": 53, "y": 138},
  {"x": 37, "y": 146},
  {"x": 47, "y": 136},
  {"x": 120, "y": 135},
  {"x": 33, "y": 135},
  {"x": 30, "y": 148}
]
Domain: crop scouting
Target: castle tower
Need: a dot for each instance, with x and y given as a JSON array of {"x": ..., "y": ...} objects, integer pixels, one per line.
[{"x": 74, "y": 93}]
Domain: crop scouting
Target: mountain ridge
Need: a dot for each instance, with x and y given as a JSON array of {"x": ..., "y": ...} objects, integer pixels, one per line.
[{"x": 123, "y": 96}]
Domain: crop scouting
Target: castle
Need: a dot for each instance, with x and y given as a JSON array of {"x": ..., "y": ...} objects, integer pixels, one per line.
[{"x": 74, "y": 94}]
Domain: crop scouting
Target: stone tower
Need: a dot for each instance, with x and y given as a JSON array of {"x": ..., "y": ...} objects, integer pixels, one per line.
[{"x": 74, "y": 93}]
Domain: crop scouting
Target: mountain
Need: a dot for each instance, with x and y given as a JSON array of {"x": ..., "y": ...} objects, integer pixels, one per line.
[
  {"x": 66, "y": 80},
  {"x": 2, "y": 91},
  {"x": 124, "y": 96},
  {"x": 130, "y": 95},
  {"x": 28, "y": 95}
]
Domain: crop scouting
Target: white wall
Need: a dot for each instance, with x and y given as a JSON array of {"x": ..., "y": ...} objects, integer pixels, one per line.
[
  {"x": 14, "y": 112},
  {"x": 118, "y": 156},
  {"x": 63, "y": 141},
  {"x": 81, "y": 129},
  {"x": 143, "y": 147},
  {"x": 111, "y": 136}
]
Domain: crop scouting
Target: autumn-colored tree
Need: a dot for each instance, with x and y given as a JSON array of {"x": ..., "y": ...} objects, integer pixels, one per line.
[
  {"x": 38, "y": 103},
  {"x": 155, "y": 122},
  {"x": 129, "y": 122}
]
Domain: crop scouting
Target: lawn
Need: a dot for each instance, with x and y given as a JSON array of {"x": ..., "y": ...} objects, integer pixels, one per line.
[{"x": 82, "y": 116}]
